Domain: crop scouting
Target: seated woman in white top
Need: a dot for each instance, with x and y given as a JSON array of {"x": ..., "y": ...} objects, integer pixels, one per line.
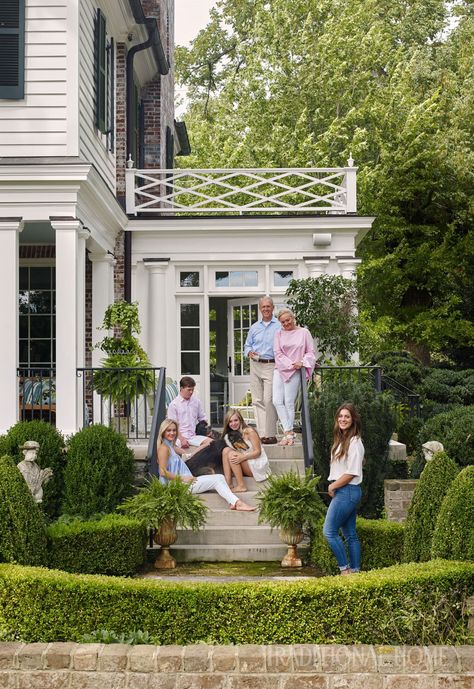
[
  {"x": 249, "y": 460},
  {"x": 345, "y": 477}
]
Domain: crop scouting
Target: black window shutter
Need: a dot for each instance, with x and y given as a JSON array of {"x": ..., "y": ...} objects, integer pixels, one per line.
[
  {"x": 12, "y": 49},
  {"x": 100, "y": 73},
  {"x": 169, "y": 149}
]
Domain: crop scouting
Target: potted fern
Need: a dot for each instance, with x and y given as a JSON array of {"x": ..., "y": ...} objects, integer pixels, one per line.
[
  {"x": 164, "y": 508},
  {"x": 290, "y": 502}
]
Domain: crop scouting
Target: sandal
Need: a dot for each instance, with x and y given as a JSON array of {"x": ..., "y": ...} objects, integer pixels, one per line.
[{"x": 283, "y": 441}]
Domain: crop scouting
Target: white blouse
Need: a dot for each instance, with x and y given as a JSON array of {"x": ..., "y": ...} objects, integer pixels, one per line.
[{"x": 350, "y": 464}]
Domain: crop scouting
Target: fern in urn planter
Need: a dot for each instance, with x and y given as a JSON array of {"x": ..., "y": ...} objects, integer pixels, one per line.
[
  {"x": 166, "y": 507},
  {"x": 289, "y": 502}
]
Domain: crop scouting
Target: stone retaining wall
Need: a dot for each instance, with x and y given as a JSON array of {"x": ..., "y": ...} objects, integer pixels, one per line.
[
  {"x": 118, "y": 666},
  {"x": 398, "y": 494}
]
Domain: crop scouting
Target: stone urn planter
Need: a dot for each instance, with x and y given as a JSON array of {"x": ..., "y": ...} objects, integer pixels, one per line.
[
  {"x": 165, "y": 536},
  {"x": 291, "y": 537}
]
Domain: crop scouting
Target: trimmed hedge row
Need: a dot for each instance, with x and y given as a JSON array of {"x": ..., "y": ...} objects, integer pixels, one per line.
[
  {"x": 406, "y": 604},
  {"x": 453, "y": 536},
  {"x": 381, "y": 545},
  {"x": 114, "y": 545}
]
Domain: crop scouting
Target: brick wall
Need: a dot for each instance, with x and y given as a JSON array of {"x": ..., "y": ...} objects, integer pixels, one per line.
[
  {"x": 398, "y": 494},
  {"x": 118, "y": 666}
]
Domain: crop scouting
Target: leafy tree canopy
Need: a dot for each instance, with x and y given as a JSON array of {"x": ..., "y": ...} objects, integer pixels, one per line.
[{"x": 305, "y": 83}]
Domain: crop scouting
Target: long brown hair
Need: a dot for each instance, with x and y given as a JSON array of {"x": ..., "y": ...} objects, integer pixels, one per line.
[
  {"x": 228, "y": 416},
  {"x": 342, "y": 439}
]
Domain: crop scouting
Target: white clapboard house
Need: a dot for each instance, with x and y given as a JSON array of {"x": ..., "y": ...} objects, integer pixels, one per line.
[{"x": 92, "y": 209}]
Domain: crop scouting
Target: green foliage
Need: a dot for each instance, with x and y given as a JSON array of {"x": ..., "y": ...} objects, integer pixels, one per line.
[
  {"x": 99, "y": 471},
  {"x": 123, "y": 351},
  {"x": 405, "y": 604},
  {"x": 409, "y": 433},
  {"x": 397, "y": 468},
  {"x": 453, "y": 537},
  {"x": 402, "y": 367},
  {"x": 449, "y": 387},
  {"x": 327, "y": 307},
  {"x": 290, "y": 501},
  {"x": 104, "y": 636},
  {"x": 430, "y": 490},
  {"x": 113, "y": 545},
  {"x": 157, "y": 502},
  {"x": 22, "y": 528},
  {"x": 454, "y": 430},
  {"x": 50, "y": 454},
  {"x": 377, "y": 427},
  {"x": 381, "y": 544}
]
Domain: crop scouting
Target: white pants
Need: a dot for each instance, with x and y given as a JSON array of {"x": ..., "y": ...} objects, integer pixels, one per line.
[
  {"x": 261, "y": 381},
  {"x": 214, "y": 482},
  {"x": 284, "y": 396}
]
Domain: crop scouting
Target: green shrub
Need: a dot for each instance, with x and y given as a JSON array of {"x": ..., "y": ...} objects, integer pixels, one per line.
[
  {"x": 453, "y": 537},
  {"x": 402, "y": 367},
  {"x": 381, "y": 544},
  {"x": 22, "y": 528},
  {"x": 449, "y": 387},
  {"x": 99, "y": 472},
  {"x": 377, "y": 427},
  {"x": 454, "y": 430},
  {"x": 114, "y": 545},
  {"x": 51, "y": 454},
  {"x": 397, "y": 468},
  {"x": 430, "y": 490},
  {"x": 404, "y": 604},
  {"x": 409, "y": 433}
]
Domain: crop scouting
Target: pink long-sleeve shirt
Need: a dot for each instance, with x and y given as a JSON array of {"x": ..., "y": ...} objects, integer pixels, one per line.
[{"x": 290, "y": 346}]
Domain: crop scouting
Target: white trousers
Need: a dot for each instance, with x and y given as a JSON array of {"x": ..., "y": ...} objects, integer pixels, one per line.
[
  {"x": 261, "y": 382},
  {"x": 214, "y": 482},
  {"x": 284, "y": 396}
]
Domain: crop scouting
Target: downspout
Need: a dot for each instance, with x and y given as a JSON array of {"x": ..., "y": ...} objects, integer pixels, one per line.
[{"x": 154, "y": 42}]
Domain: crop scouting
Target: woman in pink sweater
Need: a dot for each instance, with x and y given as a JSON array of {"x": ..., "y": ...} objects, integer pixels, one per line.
[{"x": 294, "y": 349}]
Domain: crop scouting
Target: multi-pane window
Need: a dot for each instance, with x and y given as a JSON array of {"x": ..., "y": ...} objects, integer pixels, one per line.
[
  {"x": 236, "y": 278},
  {"x": 104, "y": 80},
  {"x": 37, "y": 307},
  {"x": 190, "y": 339},
  {"x": 243, "y": 316}
]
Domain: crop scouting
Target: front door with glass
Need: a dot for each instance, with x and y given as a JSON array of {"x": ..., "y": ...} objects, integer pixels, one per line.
[{"x": 241, "y": 314}]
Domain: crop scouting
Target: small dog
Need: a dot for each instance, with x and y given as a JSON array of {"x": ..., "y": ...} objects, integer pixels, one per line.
[
  {"x": 209, "y": 459},
  {"x": 235, "y": 440}
]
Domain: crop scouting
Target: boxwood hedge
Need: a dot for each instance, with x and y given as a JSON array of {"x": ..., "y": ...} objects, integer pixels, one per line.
[
  {"x": 381, "y": 544},
  {"x": 114, "y": 545},
  {"x": 453, "y": 536},
  {"x": 406, "y": 604}
]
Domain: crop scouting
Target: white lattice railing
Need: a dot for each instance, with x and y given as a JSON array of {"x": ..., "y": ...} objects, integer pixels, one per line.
[{"x": 242, "y": 191}]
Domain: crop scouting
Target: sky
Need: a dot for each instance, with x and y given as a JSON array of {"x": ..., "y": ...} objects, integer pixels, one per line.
[{"x": 190, "y": 17}]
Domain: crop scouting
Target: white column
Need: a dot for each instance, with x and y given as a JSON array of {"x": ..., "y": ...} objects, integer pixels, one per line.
[
  {"x": 157, "y": 305},
  {"x": 10, "y": 229},
  {"x": 70, "y": 320},
  {"x": 102, "y": 296},
  {"x": 348, "y": 267},
  {"x": 317, "y": 267}
]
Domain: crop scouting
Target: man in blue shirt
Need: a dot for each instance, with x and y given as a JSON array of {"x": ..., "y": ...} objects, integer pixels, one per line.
[{"x": 259, "y": 349}]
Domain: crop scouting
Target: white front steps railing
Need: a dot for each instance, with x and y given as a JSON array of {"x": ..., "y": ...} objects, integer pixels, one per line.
[{"x": 242, "y": 191}]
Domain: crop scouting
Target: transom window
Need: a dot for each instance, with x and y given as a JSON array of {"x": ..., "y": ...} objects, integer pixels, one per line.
[
  {"x": 37, "y": 307},
  {"x": 189, "y": 278},
  {"x": 236, "y": 278},
  {"x": 282, "y": 278}
]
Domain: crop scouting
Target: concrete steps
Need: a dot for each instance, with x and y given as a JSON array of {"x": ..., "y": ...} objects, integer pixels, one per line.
[{"x": 231, "y": 536}]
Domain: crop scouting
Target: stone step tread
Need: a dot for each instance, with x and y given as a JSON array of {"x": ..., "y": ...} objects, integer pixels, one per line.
[
  {"x": 259, "y": 552},
  {"x": 222, "y": 535}
]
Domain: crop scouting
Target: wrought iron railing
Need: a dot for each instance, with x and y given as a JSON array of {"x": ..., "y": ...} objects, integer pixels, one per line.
[
  {"x": 306, "y": 431},
  {"x": 37, "y": 394},
  {"x": 122, "y": 398},
  {"x": 242, "y": 191},
  {"x": 159, "y": 415}
]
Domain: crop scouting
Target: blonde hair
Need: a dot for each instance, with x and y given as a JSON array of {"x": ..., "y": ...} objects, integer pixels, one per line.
[
  {"x": 228, "y": 416},
  {"x": 286, "y": 310},
  {"x": 163, "y": 428}
]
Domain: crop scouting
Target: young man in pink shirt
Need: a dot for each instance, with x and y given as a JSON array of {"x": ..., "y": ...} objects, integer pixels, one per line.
[{"x": 187, "y": 411}]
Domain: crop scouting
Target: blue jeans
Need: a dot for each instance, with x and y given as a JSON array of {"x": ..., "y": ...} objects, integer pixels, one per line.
[{"x": 341, "y": 514}]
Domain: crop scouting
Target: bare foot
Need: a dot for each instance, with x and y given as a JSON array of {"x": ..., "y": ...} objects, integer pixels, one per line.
[
  {"x": 241, "y": 506},
  {"x": 240, "y": 489}
]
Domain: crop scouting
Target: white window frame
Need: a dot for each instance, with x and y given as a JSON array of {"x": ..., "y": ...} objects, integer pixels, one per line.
[
  {"x": 279, "y": 288},
  {"x": 189, "y": 269},
  {"x": 255, "y": 289}
]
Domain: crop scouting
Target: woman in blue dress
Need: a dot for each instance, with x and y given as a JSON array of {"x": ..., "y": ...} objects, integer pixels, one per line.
[{"x": 171, "y": 466}]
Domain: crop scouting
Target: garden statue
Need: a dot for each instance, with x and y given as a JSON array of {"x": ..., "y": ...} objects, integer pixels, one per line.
[
  {"x": 431, "y": 448},
  {"x": 34, "y": 476}
]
